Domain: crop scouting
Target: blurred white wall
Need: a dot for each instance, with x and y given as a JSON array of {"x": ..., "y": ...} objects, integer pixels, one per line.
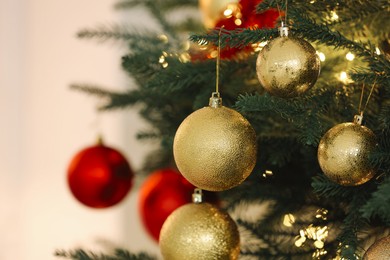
[{"x": 44, "y": 123}]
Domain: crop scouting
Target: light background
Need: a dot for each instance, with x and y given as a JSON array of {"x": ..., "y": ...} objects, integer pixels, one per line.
[{"x": 44, "y": 124}]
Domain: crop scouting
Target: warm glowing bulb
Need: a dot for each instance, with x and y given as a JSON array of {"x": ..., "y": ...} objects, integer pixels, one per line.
[
  {"x": 343, "y": 77},
  {"x": 333, "y": 16},
  {"x": 163, "y": 38},
  {"x": 377, "y": 51},
  {"x": 161, "y": 59},
  {"x": 238, "y": 22},
  {"x": 350, "y": 56},
  {"x": 321, "y": 55},
  {"x": 288, "y": 220},
  {"x": 228, "y": 12}
]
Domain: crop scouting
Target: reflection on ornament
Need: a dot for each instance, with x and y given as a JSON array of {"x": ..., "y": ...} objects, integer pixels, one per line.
[
  {"x": 379, "y": 250},
  {"x": 215, "y": 147},
  {"x": 99, "y": 176},
  {"x": 287, "y": 66},
  {"x": 199, "y": 231},
  {"x": 343, "y": 154}
]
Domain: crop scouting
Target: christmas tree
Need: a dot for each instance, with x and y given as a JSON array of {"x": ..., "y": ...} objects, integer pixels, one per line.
[{"x": 320, "y": 187}]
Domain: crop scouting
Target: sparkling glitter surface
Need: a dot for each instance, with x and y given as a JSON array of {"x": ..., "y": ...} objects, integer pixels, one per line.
[
  {"x": 343, "y": 154},
  {"x": 215, "y": 148},
  {"x": 379, "y": 250},
  {"x": 199, "y": 231},
  {"x": 287, "y": 66}
]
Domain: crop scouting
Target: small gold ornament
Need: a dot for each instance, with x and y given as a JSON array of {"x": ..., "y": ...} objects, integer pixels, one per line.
[
  {"x": 379, "y": 250},
  {"x": 343, "y": 153},
  {"x": 215, "y": 147},
  {"x": 199, "y": 231},
  {"x": 287, "y": 66}
]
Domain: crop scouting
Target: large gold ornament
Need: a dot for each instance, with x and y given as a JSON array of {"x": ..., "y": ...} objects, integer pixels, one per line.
[
  {"x": 287, "y": 66},
  {"x": 199, "y": 231},
  {"x": 379, "y": 250},
  {"x": 215, "y": 147},
  {"x": 343, "y": 154}
]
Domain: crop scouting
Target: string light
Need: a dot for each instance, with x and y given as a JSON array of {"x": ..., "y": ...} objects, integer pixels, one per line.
[
  {"x": 317, "y": 234},
  {"x": 267, "y": 173},
  {"x": 288, "y": 220},
  {"x": 333, "y": 16},
  {"x": 321, "y": 55},
  {"x": 343, "y": 77},
  {"x": 350, "y": 56},
  {"x": 377, "y": 51},
  {"x": 163, "y": 38},
  {"x": 228, "y": 12}
]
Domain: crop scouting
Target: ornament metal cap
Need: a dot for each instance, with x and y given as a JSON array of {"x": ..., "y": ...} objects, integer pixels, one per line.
[
  {"x": 197, "y": 196},
  {"x": 358, "y": 119},
  {"x": 283, "y": 30},
  {"x": 215, "y": 100}
]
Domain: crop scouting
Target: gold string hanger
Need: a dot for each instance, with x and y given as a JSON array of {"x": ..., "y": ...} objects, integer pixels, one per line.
[
  {"x": 215, "y": 99},
  {"x": 359, "y": 118}
]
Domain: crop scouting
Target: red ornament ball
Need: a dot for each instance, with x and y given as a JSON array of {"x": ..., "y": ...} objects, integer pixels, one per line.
[
  {"x": 245, "y": 16},
  {"x": 162, "y": 192},
  {"x": 99, "y": 176}
]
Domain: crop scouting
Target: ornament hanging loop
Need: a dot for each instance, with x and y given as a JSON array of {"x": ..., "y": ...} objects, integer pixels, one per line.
[
  {"x": 358, "y": 119},
  {"x": 215, "y": 99},
  {"x": 197, "y": 196},
  {"x": 218, "y": 60},
  {"x": 283, "y": 30}
]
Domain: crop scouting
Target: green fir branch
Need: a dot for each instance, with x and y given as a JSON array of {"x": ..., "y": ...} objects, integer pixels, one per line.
[
  {"x": 119, "y": 254},
  {"x": 113, "y": 100},
  {"x": 237, "y": 38},
  {"x": 118, "y": 32},
  {"x": 165, "y": 5},
  {"x": 378, "y": 205}
]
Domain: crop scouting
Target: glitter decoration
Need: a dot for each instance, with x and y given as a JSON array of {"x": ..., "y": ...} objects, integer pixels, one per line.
[
  {"x": 215, "y": 148},
  {"x": 343, "y": 154},
  {"x": 379, "y": 250},
  {"x": 287, "y": 66},
  {"x": 199, "y": 231}
]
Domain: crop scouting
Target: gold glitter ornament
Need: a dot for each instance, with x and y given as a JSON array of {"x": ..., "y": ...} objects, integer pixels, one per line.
[
  {"x": 343, "y": 153},
  {"x": 379, "y": 250},
  {"x": 287, "y": 66},
  {"x": 215, "y": 147},
  {"x": 199, "y": 231}
]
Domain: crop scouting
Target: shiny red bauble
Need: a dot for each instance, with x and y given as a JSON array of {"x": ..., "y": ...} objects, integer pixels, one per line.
[
  {"x": 243, "y": 16},
  {"x": 161, "y": 193},
  {"x": 99, "y": 176}
]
